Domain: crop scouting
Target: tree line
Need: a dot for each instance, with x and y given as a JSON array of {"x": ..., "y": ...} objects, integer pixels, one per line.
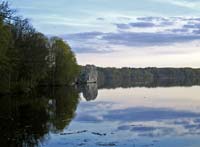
[
  {"x": 28, "y": 58},
  {"x": 148, "y": 77}
]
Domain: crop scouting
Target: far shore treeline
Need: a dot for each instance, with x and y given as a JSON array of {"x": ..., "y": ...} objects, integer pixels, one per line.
[
  {"x": 28, "y": 58},
  {"x": 148, "y": 77}
]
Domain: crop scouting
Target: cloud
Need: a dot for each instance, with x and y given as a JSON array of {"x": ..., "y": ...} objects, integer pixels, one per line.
[
  {"x": 82, "y": 35},
  {"x": 135, "y": 25},
  {"x": 192, "y": 126},
  {"x": 148, "y": 32},
  {"x": 142, "y": 121},
  {"x": 101, "y": 18},
  {"x": 87, "y": 118},
  {"x": 151, "y": 18},
  {"x": 182, "y": 30},
  {"x": 181, "y": 122},
  {"x": 147, "y": 39},
  {"x": 136, "y": 114},
  {"x": 143, "y": 128},
  {"x": 146, "y": 22},
  {"x": 148, "y": 131},
  {"x": 158, "y": 130},
  {"x": 142, "y": 24},
  {"x": 166, "y": 23},
  {"x": 197, "y": 120},
  {"x": 193, "y": 26},
  {"x": 96, "y": 42},
  {"x": 194, "y": 19},
  {"x": 123, "y": 26},
  {"x": 168, "y": 20},
  {"x": 147, "y": 114},
  {"x": 91, "y": 50},
  {"x": 123, "y": 18}
]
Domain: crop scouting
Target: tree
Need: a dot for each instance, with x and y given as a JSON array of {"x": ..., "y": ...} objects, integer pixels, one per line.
[
  {"x": 5, "y": 45},
  {"x": 64, "y": 65},
  {"x": 28, "y": 58}
]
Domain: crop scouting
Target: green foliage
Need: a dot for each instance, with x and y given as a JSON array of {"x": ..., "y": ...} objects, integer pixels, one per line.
[
  {"x": 5, "y": 44},
  {"x": 67, "y": 100},
  {"x": 151, "y": 77},
  {"x": 64, "y": 66},
  {"x": 26, "y": 55}
]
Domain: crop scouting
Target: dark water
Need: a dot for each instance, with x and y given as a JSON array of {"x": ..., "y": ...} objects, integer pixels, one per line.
[{"x": 132, "y": 117}]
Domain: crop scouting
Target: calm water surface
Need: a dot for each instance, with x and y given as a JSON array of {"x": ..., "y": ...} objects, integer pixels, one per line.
[{"x": 131, "y": 117}]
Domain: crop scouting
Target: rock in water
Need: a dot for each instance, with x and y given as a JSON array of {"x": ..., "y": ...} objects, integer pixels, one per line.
[{"x": 88, "y": 74}]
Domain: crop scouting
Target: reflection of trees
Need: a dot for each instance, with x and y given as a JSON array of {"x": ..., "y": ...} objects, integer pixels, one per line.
[
  {"x": 25, "y": 120},
  {"x": 65, "y": 104},
  {"x": 156, "y": 82}
]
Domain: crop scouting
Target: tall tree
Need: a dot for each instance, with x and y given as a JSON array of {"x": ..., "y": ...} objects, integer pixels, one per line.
[
  {"x": 64, "y": 65},
  {"x": 5, "y": 45},
  {"x": 27, "y": 56}
]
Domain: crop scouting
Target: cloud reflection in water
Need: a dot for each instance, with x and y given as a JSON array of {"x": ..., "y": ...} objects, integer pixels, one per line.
[{"x": 142, "y": 121}]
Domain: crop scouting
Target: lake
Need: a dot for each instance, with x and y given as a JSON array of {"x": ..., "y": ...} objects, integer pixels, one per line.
[{"x": 92, "y": 117}]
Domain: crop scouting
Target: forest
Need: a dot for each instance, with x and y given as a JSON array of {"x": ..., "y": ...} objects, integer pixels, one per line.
[
  {"x": 28, "y": 58},
  {"x": 148, "y": 77}
]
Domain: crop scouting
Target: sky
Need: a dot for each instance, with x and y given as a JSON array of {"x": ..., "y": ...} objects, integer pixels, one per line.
[{"x": 121, "y": 33}]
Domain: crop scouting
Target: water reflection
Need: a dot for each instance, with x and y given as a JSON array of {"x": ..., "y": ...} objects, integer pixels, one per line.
[
  {"x": 26, "y": 120},
  {"x": 118, "y": 117},
  {"x": 162, "y": 116},
  {"x": 136, "y": 114},
  {"x": 90, "y": 91}
]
